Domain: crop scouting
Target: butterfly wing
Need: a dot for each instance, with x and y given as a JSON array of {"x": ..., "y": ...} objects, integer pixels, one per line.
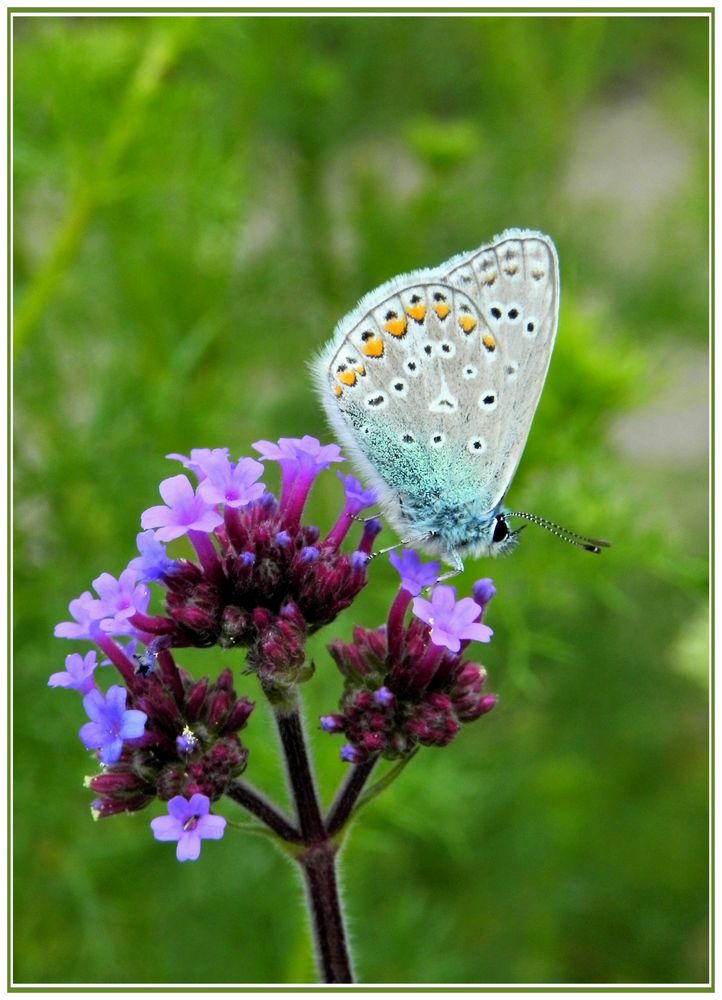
[
  {"x": 515, "y": 284},
  {"x": 433, "y": 392}
]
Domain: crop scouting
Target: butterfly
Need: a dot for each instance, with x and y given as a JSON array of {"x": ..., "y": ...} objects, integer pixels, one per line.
[{"x": 432, "y": 383}]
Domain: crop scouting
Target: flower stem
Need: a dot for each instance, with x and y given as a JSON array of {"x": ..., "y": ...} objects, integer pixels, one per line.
[
  {"x": 264, "y": 810},
  {"x": 346, "y": 799},
  {"x": 319, "y": 869},
  {"x": 300, "y": 776},
  {"x": 318, "y": 860}
]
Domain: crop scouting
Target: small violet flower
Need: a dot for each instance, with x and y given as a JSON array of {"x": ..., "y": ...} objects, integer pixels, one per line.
[
  {"x": 357, "y": 498},
  {"x": 189, "y": 821},
  {"x": 85, "y": 611},
  {"x": 229, "y": 483},
  {"x": 198, "y": 458},
  {"x": 153, "y": 562},
  {"x": 111, "y": 723},
  {"x": 451, "y": 620},
  {"x": 78, "y": 673},
  {"x": 184, "y": 511},
  {"x": 415, "y": 575},
  {"x": 306, "y": 451},
  {"x": 119, "y": 600},
  {"x": 483, "y": 591}
]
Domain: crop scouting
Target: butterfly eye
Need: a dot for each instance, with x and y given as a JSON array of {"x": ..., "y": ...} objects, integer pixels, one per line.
[{"x": 501, "y": 530}]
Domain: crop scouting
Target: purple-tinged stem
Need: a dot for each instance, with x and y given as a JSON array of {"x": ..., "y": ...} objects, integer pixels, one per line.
[
  {"x": 289, "y": 471},
  {"x": 300, "y": 776},
  {"x": 341, "y": 528},
  {"x": 119, "y": 658},
  {"x": 319, "y": 869},
  {"x": 395, "y": 624},
  {"x": 298, "y": 495},
  {"x": 207, "y": 555},
  {"x": 348, "y": 795},
  {"x": 372, "y": 527},
  {"x": 256, "y": 804},
  {"x": 318, "y": 860}
]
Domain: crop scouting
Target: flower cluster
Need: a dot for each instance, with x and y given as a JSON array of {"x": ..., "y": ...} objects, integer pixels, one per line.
[
  {"x": 409, "y": 684},
  {"x": 262, "y": 580}
]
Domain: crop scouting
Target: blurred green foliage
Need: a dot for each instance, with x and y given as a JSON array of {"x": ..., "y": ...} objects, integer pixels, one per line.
[{"x": 197, "y": 201}]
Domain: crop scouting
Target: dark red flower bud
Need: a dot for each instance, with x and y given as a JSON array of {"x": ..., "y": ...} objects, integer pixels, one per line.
[{"x": 196, "y": 698}]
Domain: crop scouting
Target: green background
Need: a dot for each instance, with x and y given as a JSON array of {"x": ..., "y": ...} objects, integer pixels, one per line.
[{"x": 197, "y": 202}]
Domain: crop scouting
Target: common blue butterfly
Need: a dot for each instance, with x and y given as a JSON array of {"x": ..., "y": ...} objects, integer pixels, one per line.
[{"x": 432, "y": 382}]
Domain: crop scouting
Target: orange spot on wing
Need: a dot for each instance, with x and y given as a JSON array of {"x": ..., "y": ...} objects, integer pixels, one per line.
[
  {"x": 489, "y": 342},
  {"x": 397, "y": 327},
  {"x": 360, "y": 369},
  {"x": 348, "y": 378},
  {"x": 338, "y": 390},
  {"x": 467, "y": 323},
  {"x": 416, "y": 312},
  {"x": 373, "y": 348},
  {"x": 442, "y": 310}
]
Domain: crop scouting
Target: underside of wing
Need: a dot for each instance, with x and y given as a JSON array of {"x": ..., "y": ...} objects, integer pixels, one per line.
[{"x": 433, "y": 380}]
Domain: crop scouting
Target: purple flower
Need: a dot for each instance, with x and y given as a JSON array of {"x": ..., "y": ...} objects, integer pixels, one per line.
[
  {"x": 483, "y": 591},
  {"x": 451, "y": 620},
  {"x": 229, "y": 483},
  {"x": 119, "y": 600},
  {"x": 187, "y": 741},
  {"x": 111, "y": 723},
  {"x": 185, "y": 511},
  {"x": 384, "y": 697},
  {"x": 87, "y": 615},
  {"x": 188, "y": 822},
  {"x": 415, "y": 575},
  {"x": 199, "y": 457},
  {"x": 301, "y": 460},
  {"x": 152, "y": 563},
  {"x": 78, "y": 673},
  {"x": 306, "y": 451},
  {"x": 331, "y": 723},
  {"x": 357, "y": 498}
]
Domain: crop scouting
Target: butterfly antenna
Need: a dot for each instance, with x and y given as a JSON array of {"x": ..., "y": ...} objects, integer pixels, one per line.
[{"x": 581, "y": 541}]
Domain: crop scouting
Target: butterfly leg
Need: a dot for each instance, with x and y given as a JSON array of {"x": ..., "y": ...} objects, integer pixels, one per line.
[
  {"x": 458, "y": 562},
  {"x": 390, "y": 548}
]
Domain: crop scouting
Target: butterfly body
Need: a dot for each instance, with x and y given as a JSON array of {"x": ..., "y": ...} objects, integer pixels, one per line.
[{"x": 432, "y": 382}]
